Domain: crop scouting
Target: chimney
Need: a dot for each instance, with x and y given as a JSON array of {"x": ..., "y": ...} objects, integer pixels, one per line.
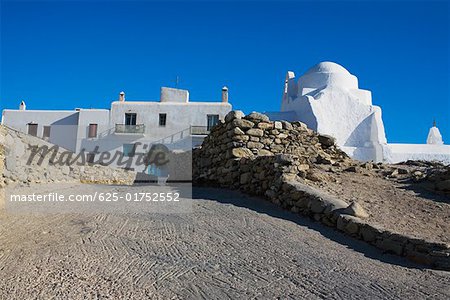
[
  {"x": 224, "y": 94},
  {"x": 22, "y": 106},
  {"x": 122, "y": 97}
]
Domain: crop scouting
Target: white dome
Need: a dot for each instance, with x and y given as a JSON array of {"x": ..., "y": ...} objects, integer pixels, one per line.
[
  {"x": 327, "y": 74},
  {"x": 328, "y": 67}
]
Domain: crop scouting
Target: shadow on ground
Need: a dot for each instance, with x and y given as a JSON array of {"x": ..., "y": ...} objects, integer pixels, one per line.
[
  {"x": 424, "y": 190},
  {"x": 265, "y": 207}
]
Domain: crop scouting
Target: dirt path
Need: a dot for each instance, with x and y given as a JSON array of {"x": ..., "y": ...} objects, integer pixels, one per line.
[
  {"x": 229, "y": 246},
  {"x": 401, "y": 207}
]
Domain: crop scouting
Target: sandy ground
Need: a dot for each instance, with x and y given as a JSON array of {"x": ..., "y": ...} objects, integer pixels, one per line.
[
  {"x": 225, "y": 246},
  {"x": 398, "y": 205}
]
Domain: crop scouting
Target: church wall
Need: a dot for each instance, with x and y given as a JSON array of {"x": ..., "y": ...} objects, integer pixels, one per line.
[
  {"x": 364, "y": 96},
  {"x": 395, "y": 153},
  {"x": 330, "y": 102}
]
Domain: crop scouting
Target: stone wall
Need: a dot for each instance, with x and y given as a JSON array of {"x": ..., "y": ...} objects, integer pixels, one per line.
[
  {"x": 15, "y": 168},
  {"x": 266, "y": 158},
  {"x": 240, "y": 139}
]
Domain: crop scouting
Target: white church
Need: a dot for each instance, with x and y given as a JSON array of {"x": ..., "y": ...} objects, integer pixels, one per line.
[{"x": 328, "y": 99}]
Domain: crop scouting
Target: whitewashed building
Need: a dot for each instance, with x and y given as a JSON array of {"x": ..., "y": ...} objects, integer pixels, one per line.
[
  {"x": 130, "y": 127},
  {"x": 328, "y": 99}
]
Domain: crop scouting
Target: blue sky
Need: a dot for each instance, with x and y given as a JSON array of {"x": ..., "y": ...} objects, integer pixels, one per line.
[{"x": 62, "y": 55}]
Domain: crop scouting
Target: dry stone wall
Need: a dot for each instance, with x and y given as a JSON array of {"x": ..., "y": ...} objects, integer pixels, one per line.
[
  {"x": 266, "y": 158},
  {"x": 15, "y": 149},
  {"x": 239, "y": 140}
]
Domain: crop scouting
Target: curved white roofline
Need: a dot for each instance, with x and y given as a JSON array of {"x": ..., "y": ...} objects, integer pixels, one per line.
[
  {"x": 328, "y": 67},
  {"x": 326, "y": 74}
]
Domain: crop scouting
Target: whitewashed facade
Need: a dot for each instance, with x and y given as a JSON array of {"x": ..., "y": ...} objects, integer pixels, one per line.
[
  {"x": 128, "y": 126},
  {"x": 328, "y": 99}
]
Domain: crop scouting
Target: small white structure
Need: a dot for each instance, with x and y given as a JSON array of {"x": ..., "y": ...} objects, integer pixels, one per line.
[
  {"x": 22, "y": 105},
  {"x": 130, "y": 127},
  {"x": 434, "y": 136},
  {"x": 122, "y": 96},
  {"x": 225, "y": 94},
  {"x": 328, "y": 99}
]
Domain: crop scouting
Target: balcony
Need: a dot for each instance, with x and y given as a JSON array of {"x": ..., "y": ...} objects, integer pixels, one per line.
[
  {"x": 130, "y": 129},
  {"x": 200, "y": 130}
]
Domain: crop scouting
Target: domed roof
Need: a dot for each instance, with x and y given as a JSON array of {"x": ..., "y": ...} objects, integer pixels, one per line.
[{"x": 328, "y": 67}]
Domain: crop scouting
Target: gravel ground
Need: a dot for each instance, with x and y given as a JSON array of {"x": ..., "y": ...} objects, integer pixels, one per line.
[
  {"x": 225, "y": 245},
  {"x": 400, "y": 206}
]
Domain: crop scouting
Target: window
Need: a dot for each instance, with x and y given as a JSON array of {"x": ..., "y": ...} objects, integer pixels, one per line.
[
  {"x": 130, "y": 119},
  {"x": 129, "y": 150},
  {"x": 92, "y": 131},
  {"x": 162, "y": 119},
  {"x": 46, "y": 133},
  {"x": 212, "y": 120},
  {"x": 32, "y": 129},
  {"x": 90, "y": 158}
]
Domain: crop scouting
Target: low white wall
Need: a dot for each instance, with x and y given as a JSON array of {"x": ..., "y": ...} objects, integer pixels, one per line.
[{"x": 394, "y": 153}]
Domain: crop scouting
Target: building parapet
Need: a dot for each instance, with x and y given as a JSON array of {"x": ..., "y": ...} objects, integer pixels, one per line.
[{"x": 130, "y": 129}]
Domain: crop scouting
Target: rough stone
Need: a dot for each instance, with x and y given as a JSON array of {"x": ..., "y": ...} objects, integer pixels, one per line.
[
  {"x": 317, "y": 205},
  {"x": 257, "y": 117},
  {"x": 368, "y": 234},
  {"x": 353, "y": 169},
  {"x": 326, "y": 140},
  {"x": 334, "y": 205},
  {"x": 235, "y": 114},
  {"x": 356, "y": 210},
  {"x": 264, "y": 125},
  {"x": 65, "y": 170},
  {"x": 245, "y": 178},
  {"x": 255, "y": 132},
  {"x": 241, "y": 152},
  {"x": 352, "y": 228},
  {"x": 264, "y": 152},
  {"x": 402, "y": 171},
  {"x": 348, "y": 224},
  {"x": 254, "y": 145},
  {"x": 243, "y": 124},
  {"x": 390, "y": 246},
  {"x": 236, "y": 131},
  {"x": 287, "y": 125},
  {"x": 300, "y": 125},
  {"x": 323, "y": 158},
  {"x": 240, "y": 138},
  {"x": 315, "y": 176},
  {"x": 10, "y": 163}
]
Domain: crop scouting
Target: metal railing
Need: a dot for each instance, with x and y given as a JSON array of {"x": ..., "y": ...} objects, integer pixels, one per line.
[
  {"x": 133, "y": 129},
  {"x": 200, "y": 130}
]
